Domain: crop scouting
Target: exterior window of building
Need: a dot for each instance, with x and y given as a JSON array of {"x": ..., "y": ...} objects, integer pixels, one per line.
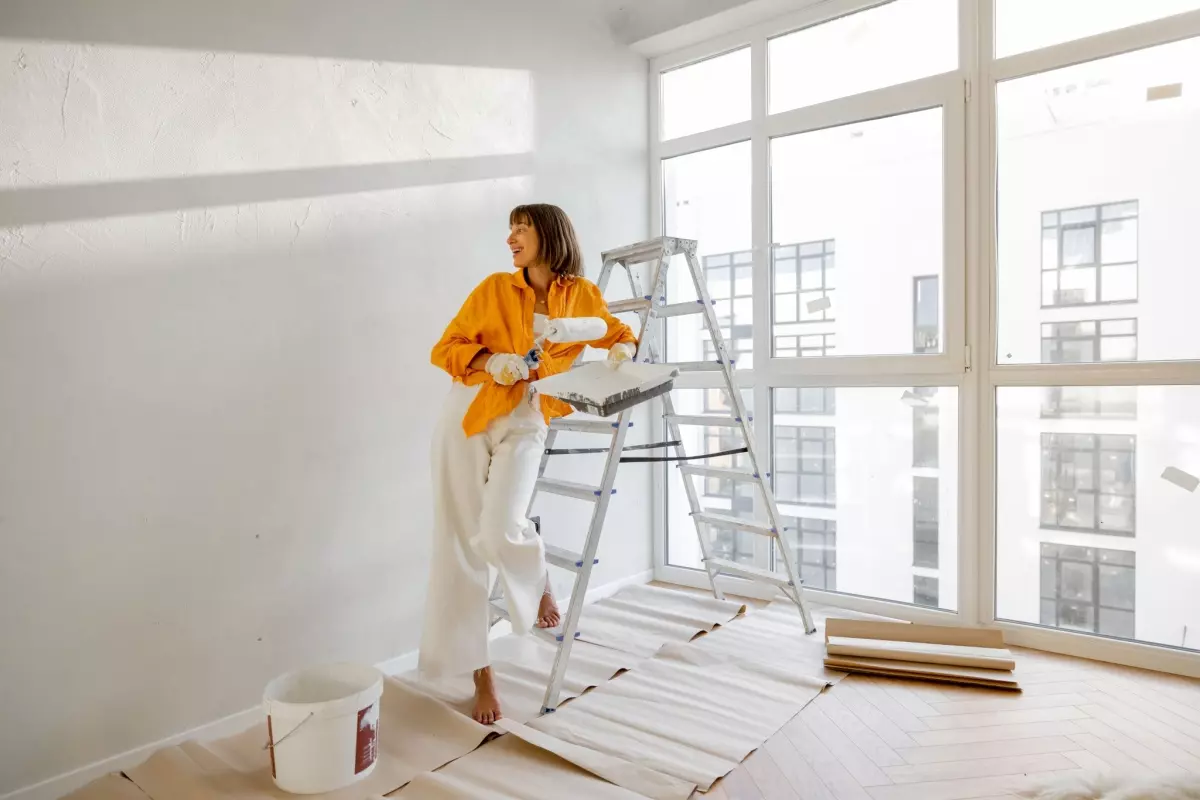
[
  {"x": 925, "y": 522},
  {"x": 806, "y": 346},
  {"x": 925, "y": 591},
  {"x": 926, "y": 316},
  {"x": 803, "y": 275},
  {"x": 806, "y": 401},
  {"x": 1088, "y": 589},
  {"x": 1088, "y": 341},
  {"x": 816, "y": 555},
  {"x": 1090, "y": 255},
  {"x": 729, "y": 277},
  {"x": 805, "y": 465},
  {"x": 1088, "y": 482}
]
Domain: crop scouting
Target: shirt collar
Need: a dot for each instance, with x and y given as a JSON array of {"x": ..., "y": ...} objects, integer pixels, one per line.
[{"x": 518, "y": 279}]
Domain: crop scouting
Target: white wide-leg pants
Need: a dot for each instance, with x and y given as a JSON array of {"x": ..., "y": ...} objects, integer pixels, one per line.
[{"x": 481, "y": 490}]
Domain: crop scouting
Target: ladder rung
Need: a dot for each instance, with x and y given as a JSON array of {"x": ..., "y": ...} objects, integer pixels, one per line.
[
  {"x": 721, "y": 566},
  {"x": 637, "y": 304},
  {"x": 718, "y": 422},
  {"x": 584, "y": 425},
  {"x": 561, "y": 557},
  {"x": 698, "y": 366},
  {"x": 718, "y": 472},
  {"x": 552, "y": 635},
  {"x": 570, "y": 489},
  {"x": 679, "y": 309},
  {"x": 722, "y": 521}
]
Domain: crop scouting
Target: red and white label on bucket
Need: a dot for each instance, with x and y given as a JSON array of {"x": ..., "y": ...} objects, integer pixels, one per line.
[{"x": 368, "y": 728}]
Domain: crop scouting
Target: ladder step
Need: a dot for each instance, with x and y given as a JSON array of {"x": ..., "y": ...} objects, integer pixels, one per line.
[
  {"x": 679, "y": 309},
  {"x": 699, "y": 366},
  {"x": 637, "y": 304},
  {"x": 584, "y": 425},
  {"x": 562, "y": 557},
  {"x": 552, "y": 635},
  {"x": 721, "y": 566},
  {"x": 717, "y": 422},
  {"x": 570, "y": 489},
  {"x": 719, "y": 472},
  {"x": 640, "y": 305},
  {"x": 748, "y": 525}
]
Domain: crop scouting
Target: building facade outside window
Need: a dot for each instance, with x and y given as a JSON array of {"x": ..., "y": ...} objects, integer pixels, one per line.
[
  {"x": 1088, "y": 482},
  {"x": 1089, "y": 589}
]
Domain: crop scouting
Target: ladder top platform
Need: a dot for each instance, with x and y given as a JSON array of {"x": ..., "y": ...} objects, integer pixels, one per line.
[{"x": 650, "y": 249}]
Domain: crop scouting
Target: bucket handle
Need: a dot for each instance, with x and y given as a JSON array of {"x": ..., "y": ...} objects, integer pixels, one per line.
[{"x": 272, "y": 745}]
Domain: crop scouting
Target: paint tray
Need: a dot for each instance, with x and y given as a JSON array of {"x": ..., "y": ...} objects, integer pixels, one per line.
[{"x": 596, "y": 388}]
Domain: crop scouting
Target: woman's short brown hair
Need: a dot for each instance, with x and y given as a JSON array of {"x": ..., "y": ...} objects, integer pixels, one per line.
[{"x": 558, "y": 247}]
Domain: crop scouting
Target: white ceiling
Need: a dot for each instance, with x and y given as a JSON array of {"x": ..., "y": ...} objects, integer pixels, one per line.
[{"x": 634, "y": 20}]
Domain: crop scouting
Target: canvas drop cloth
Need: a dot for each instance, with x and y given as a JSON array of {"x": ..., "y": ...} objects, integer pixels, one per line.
[
  {"x": 688, "y": 713},
  {"x": 512, "y": 769},
  {"x": 641, "y": 619},
  {"x": 523, "y": 674},
  {"x": 417, "y": 734}
]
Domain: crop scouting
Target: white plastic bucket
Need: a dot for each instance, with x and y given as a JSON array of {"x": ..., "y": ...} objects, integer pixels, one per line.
[{"x": 322, "y": 726}]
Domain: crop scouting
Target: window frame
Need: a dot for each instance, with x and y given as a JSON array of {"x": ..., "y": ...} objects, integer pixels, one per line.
[{"x": 968, "y": 360}]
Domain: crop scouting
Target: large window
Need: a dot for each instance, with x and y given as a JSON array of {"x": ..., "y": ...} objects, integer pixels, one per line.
[
  {"x": 1088, "y": 589},
  {"x": 939, "y": 201}
]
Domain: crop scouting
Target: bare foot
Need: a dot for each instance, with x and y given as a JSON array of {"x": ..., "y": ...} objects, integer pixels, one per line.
[
  {"x": 548, "y": 616},
  {"x": 487, "y": 703}
]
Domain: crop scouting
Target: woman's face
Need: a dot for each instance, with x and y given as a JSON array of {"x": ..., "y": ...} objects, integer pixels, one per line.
[{"x": 523, "y": 241}]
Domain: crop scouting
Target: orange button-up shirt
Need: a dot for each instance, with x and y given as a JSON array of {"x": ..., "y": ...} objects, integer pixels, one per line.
[{"x": 498, "y": 317}]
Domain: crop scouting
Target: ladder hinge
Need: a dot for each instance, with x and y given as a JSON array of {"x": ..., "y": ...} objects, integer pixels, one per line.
[{"x": 967, "y": 357}]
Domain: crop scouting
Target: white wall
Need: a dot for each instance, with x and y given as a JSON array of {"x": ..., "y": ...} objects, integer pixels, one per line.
[{"x": 229, "y": 235}]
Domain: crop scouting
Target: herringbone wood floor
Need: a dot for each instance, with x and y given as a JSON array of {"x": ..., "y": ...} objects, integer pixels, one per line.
[{"x": 882, "y": 739}]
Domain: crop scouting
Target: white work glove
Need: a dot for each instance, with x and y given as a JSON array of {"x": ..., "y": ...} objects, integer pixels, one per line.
[
  {"x": 506, "y": 368},
  {"x": 618, "y": 354}
]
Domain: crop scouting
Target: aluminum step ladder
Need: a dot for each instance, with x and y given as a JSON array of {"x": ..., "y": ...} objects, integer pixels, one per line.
[{"x": 651, "y": 307}]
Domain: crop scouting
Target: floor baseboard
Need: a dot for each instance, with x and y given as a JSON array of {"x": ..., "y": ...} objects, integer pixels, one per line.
[{"x": 56, "y": 787}]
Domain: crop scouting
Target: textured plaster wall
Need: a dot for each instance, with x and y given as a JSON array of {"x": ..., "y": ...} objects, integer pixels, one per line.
[{"x": 229, "y": 234}]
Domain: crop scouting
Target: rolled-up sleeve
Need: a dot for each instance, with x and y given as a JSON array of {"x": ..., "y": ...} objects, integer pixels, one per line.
[{"x": 618, "y": 332}]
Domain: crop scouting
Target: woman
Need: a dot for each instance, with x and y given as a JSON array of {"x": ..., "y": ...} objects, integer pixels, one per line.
[{"x": 488, "y": 444}]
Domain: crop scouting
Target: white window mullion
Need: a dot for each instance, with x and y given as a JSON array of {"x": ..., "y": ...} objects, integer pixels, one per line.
[
  {"x": 1102, "y": 45},
  {"x": 917, "y": 95},
  {"x": 975, "y": 561},
  {"x": 706, "y": 140},
  {"x": 760, "y": 222}
]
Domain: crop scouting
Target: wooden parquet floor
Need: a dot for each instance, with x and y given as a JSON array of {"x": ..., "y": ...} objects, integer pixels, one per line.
[{"x": 882, "y": 739}]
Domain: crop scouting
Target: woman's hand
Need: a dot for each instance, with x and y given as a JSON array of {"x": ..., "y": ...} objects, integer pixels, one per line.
[
  {"x": 506, "y": 369},
  {"x": 619, "y": 353}
]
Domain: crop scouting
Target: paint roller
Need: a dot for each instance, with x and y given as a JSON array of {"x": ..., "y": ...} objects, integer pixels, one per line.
[{"x": 567, "y": 330}]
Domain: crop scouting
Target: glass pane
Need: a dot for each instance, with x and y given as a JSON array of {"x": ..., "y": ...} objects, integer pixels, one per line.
[
  {"x": 711, "y": 94},
  {"x": 832, "y": 468},
  {"x": 836, "y": 189},
  {"x": 721, "y": 495},
  {"x": 1085, "y": 519},
  {"x": 1023, "y": 25},
  {"x": 893, "y": 43},
  {"x": 1085, "y": 156},
  {"x": 706, "y": 196}
]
